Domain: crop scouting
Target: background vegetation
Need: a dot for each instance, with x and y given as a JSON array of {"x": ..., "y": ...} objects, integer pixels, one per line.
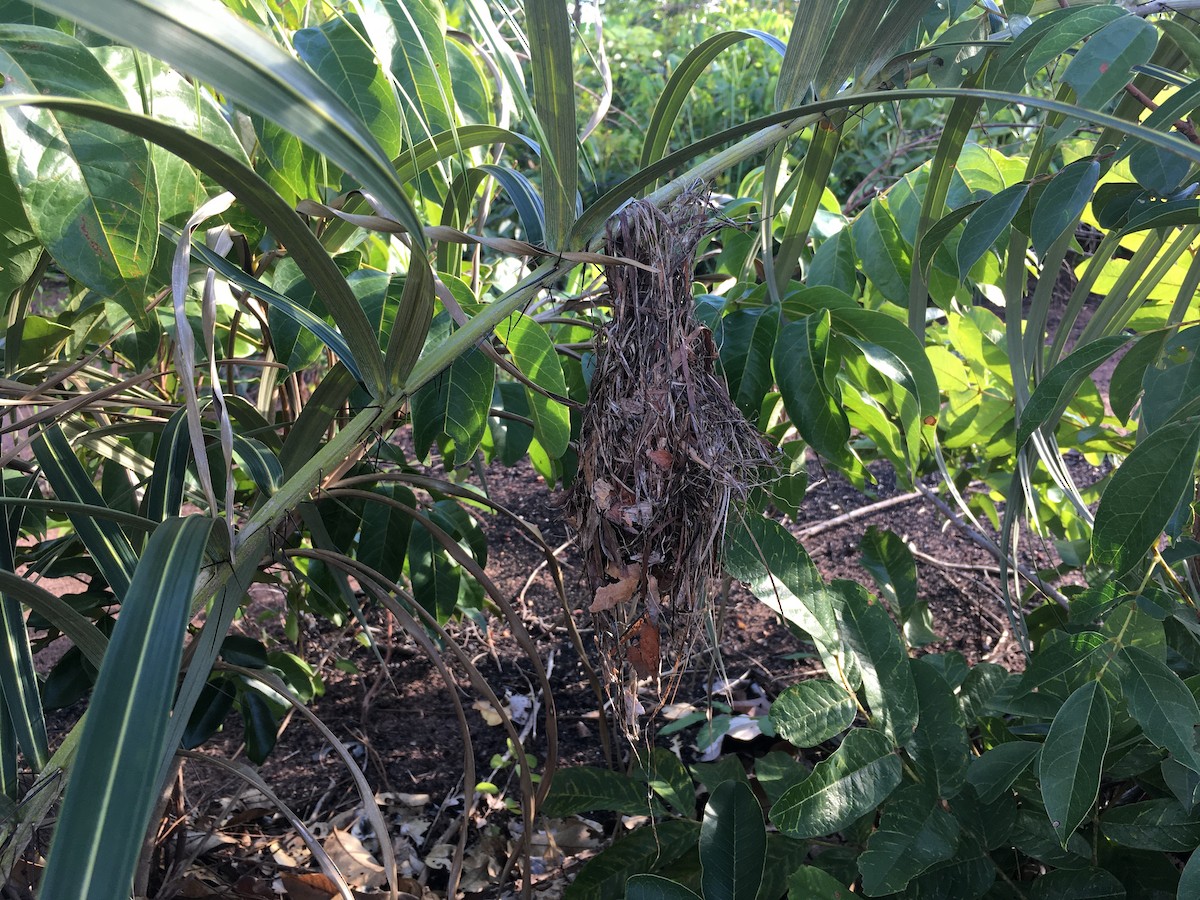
[{"x": 279, "y": 232}]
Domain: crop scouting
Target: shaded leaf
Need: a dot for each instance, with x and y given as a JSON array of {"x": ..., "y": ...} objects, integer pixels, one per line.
[
  {"x": 812, "y": 712},
  {"x": 733, "y": 843},
  {"x": 1073, "y": 758},
  {"x": 914, "y": 833}
]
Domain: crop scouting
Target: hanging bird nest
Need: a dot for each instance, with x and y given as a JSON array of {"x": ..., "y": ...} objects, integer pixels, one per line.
[{"x": 664, "y": 455}]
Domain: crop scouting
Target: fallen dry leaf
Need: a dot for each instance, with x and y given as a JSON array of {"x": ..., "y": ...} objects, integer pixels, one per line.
[
  {"x": 664, "y": 459},
  {"x": 643, "y": 649},
  {"x": 488, "y": 712},
  {"x": 308, "y": 886},
  {"x": 353, "y": 860},
  {"x": 609, "y": 596}
]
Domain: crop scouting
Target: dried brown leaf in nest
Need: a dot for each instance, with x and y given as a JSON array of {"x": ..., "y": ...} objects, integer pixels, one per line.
[{"x": 664, "y": 453}]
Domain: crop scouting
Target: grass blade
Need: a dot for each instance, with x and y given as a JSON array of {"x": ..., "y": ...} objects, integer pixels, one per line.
[
  {"x": 554, "y": 100},
  {"x": 108, "y": 804}
]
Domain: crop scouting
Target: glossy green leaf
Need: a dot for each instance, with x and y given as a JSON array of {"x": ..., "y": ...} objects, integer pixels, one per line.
[
  {"x": 834, "y": 264},
  {"x": 812, "y": 712},
  {"x": 103, "y": 822},
  {"x": 1073, "y": 758},
  {"x": 1137, "y": 504},
  {"x": 1102, "y": 66},
  {"x": 383, "y": 542},
  {"x": 456, "y": 404},
  {"x": 580, "y": 789},
  {"x": 1189, "y": 878},
  {"x": 733, "y": 843},
  {"x": 939, "y": 748},
  {"x": 803, "y": 371},
  {"x": 888, "y": 560},
  {"x": 1152, "y": 825},
  {"x": 807, "y": 44},
  {"x": 745, "y": 339},
  {"x": 1161, "y": 703},
  {"x": 995, "y": 771},
  {"x": 435, "y": 577},
  {"x": 883, "y": 253},
  {"x": 762, "y": 554},
  {"x": 914, "y": 833},
  {"x": 533, "y": 353},
  {"x": 888, "y": 684},
  {"x": 1077, "y": 884},
  {"x": 665, "y": 774},
  {"x": 854, "y": 780},
  {"x": 605, "y": 876},
  {"x": 986, "y": 225},
  {"x": 1062, "y": 202},
  {"x": 810, "y": 188},
  {"x": 897, "y": 339},
  {"x": 337, "y": 52},
  {"x": 655, "y": 887},
  {"x": 1171, "y": 386},
  {"x": 1059, "y": 385},
  {"x": 811, "y": 883},
  {"x": 89, "y": 192}
]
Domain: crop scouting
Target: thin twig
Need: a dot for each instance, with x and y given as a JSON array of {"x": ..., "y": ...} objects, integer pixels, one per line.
[{"x": 861, "y": 513}]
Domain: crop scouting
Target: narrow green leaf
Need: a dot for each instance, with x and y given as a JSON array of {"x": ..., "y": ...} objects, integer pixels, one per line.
[
  {"x": 914, "y": 833},
  {"x": 1138, "y": 502},
  {"x": 812, "y": 712},
  {"x": 102, "y": 825},
  {"x": 986, "y": 225},
  {"x": 90, "y": 193},
  {"x": 655, "y": 887},
  {"x": 104, "y": 539},
  {"x": 1062, "y": 202},
  {"x": 807, "y": 42},
  {"x": 810, "y": 188},
  {"x": 733, "y": 843},
  {"x": 1073, "y": 758},
  {"x": 995, "y": 771},
  {"x": 854, "y": 780},
  {"x": 803, "y": 370},
  {"x": 1161, "y": 825},
  {"x": 554, "y": 99},
  {"x": 1161, "y": 703},
  {"x": 533, "y": 353},
  {"x": 888, "y": 682},
  {"x": 1059, "y": 385}
]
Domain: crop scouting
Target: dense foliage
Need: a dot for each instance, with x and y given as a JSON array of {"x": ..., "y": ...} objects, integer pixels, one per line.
[{"x": 242, "y": 243}]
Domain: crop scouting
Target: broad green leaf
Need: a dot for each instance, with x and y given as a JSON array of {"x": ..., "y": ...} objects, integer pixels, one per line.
[
  {"x": 733, "y": 843},
  {"x": 1062, "y": 202},
  {"x": 336, "y": 51},
  {"x": 834, "y": 264},
  {"x": 939, "y": 746},
  {"x": 1159, "y": 172},
  {"x": 1161, "y": 703},
  {"x": 811, "y": 883},
  {"x": 580, "y": 789},
  {"x": 102, "y": 825},
  {"x": 605, "y": 876},
  {"x": 456, "y": 404},
  {"x": 763, "y": 555},
  {"x": 655, "y": 887},
  {"x": 533, "y": 353},
  {"x": 914, "y": 833},
  {"x": 383, "y": 542},
  {"x": 986, "y": 225},
  {"x": 1059, "y": 385},
  {"x": 435, "y": 577},
  {"x": 893, "y": 336},
  {"x": 89, "y": 192},
  {"x": 888, "y": 560},
  {"x": 1171, "y": 386},
  {"x": 995, "y": 771},
  {"x": 883, "y": 253},
  {"x": 803, "y": 371},
  {"x": 1189, "y": 879},
  {"x": 20, "y": 248},
  {"x": 668, "y": 778},
  {"x": 1152, "y": 825},
  {"x": 1073, "y": 758},
  {"x": 776, "y": 773},
  {"x": 888, "y": 683},
  {"x": 812, "y": 712},
  {"x": 745, "y": 339},
  {"x": 854, "y": 780},
  {"x": 1144, "y": 491},
  {"x": 1102, "y": 66},
  {"x": 1078, "y": 884},
  {"x": 554, "y": 99}
]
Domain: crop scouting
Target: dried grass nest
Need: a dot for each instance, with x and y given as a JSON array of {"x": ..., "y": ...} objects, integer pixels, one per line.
[{"x": 664, "y": 456}]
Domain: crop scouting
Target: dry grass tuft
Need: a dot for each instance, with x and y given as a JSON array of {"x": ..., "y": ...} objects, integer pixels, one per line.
[{"x": 664, "y": 456}]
